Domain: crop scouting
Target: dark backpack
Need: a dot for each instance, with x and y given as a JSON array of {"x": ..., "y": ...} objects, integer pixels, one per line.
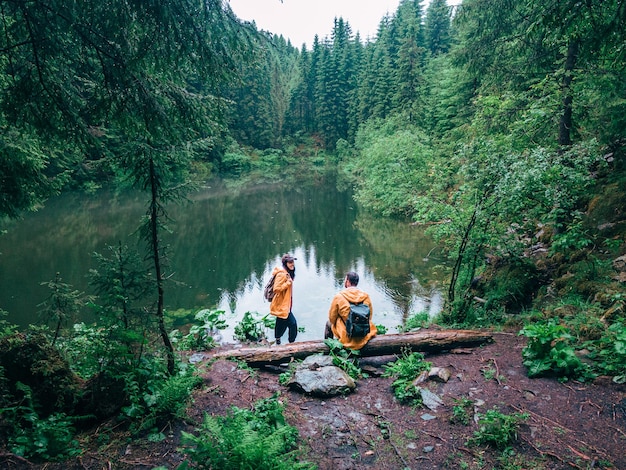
[
  {"x": 268, "y": 292},
  {"x": 358, "y": 322}
]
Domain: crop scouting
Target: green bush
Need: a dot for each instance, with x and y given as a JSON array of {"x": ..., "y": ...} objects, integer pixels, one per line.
[
  {"x": 415, "y": 321},
  {"x": 50, "y": 438},
  {"x": 252, "y": 328},
  {"x": 609, "y": 352},
  {"x": 257, "y": 438},
  {"x": 497, "y": 429},
  {"x": 549, "y": 352},
  {"x": 155, "y": 397},
  {"x": 405, "y": 370},
  {"x": 201, "y": 335},
  {"x": 344, "y": 358},
  {"x": 461, "y": 411}
]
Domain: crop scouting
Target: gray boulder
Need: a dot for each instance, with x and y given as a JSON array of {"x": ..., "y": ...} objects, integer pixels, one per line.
[{"x": 317, "y": 375}]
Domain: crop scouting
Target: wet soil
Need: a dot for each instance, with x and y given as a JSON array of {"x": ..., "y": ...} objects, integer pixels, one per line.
[{"x": 569, "y": 425}]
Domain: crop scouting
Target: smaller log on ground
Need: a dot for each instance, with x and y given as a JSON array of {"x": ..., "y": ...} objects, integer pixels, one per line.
[{"x": 382, "y": 345}]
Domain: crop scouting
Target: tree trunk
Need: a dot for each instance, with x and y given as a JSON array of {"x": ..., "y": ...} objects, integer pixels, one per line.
[
  {"x": 565, "y": 124},
  {"x": 424, "y": 341},
  {"x": 156, "y": 258}
]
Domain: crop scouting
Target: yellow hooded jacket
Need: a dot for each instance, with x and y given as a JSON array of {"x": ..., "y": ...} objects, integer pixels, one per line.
[
  {"x": 338, "y": 314},
  {"x": 281, "y": 303}
]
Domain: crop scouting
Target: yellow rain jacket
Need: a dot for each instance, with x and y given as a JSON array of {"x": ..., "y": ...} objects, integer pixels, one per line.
[
  {"x": 338, "y": 314},
  {"x": 281, "y": 303}
]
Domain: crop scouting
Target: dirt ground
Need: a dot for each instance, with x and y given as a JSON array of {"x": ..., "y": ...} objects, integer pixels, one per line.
[{"x": 570, "y": 425}]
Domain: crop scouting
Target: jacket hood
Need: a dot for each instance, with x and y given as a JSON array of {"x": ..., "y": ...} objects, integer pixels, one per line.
[
  {"x": 354, "y": 295},
  {"x": 277, "y": 269}
]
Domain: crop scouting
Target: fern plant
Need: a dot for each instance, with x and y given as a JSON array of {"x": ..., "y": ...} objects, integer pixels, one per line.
[
  {"x": 51, "y": 438},
  {"x": 258, "y": 438}
]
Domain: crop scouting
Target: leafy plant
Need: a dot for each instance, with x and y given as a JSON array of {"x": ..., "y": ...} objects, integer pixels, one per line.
[
  {"x": 286, "y": 376},
  {"x": 51, "y": 438},
  {"x": 344, "y": 358},
  {"x": 416, "y": 321},
  {"x": 549, "y": 352},
  {"x": 62, "y": 305},
  {"x": 6, "y": 328},
  {"x": 461, "y": 411},
  {"x": 156, "y": 397},
  {"x": 610, "y": 352},
  {"x": 251, "y": 328},
  {"x": 258, "y": 438},
  {"x": 497, "y": 429},
  {"x": 405, "y": 370},
  {"x": 243, "y": 365},
  {"x": 201, "y": 336}
]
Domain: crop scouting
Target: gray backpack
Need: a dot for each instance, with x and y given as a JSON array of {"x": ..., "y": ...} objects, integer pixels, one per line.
[{"x": 358, "y": 322}]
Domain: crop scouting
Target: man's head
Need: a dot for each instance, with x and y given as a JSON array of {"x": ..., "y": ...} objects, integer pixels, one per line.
[{"x": 352, "y": 279}]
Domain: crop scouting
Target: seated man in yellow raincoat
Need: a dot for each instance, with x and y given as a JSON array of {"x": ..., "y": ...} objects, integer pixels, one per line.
[{"x": 340, "y": 310}]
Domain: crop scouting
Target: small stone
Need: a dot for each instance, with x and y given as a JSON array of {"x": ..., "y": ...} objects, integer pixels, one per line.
[
  {"x": 439, "y": 374},
  {"x": 428, "y": 449},
  {"x": 421, "y": 378},
  {"x": 195, "y": 358},
  {"x": 428, "y": 417},
  {"x": 430, "y": 400}
]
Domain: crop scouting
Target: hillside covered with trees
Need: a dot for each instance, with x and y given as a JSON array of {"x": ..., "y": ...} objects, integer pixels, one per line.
[{"x": 498, "y": 124}]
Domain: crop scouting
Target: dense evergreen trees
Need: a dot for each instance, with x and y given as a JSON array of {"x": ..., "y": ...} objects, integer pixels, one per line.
[
  {"x": 427, "y": 115},
  {"x": 85, "y": 82}
]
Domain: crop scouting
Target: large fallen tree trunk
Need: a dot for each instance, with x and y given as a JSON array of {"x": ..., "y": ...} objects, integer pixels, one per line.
[{"x": 423, "y": 341}]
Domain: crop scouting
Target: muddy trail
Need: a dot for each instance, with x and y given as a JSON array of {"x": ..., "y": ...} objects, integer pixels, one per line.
[{"x": 566, "y": 425}]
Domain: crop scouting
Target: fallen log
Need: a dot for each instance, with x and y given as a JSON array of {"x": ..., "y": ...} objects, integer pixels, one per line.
[{"x": 382, "y": 345}]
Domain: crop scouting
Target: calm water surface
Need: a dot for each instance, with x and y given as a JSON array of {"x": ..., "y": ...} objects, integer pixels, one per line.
[{"x": 224, "y": 245}]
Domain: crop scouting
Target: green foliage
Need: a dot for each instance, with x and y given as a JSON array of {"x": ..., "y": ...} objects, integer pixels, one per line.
[
  {"x": 286, "y": 376},
  {"x": 33, "y": 436},
  {"x": 6, "y": 328},
  {"x": 381, "y": 329},
  {"x": 549, "y": 352},
  {"x": 497, "y": 429},
  {"x": 157, "y": 398},
  {"x": 133, "y": 82},
  {"x": 122, "y": 283},
  {"x": 392, "y": 167},
  {"x": 609, "y": 352},
  {"x": 243, "y": 365},
  {"x": 405, "y": 370},
  {"x": 28, "y": 166},
  {"x": 258, "y": 438},
  {"x": 344, "y": 358},
  {"x": 62, "y": 305},
  {"x": 252, "y": 328},
  {"x": 415, "y": 322},
  {"x": 91, "y": 350},
  {"x": 201, "y": 335},
  {"x": 462, "y": 411}
]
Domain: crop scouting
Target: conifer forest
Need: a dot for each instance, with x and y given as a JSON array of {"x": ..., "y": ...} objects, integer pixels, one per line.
[{"x": 497, "y": 125}]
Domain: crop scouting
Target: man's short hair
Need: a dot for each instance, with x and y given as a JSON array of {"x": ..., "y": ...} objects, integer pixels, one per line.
[{"x": 353, "y": 278}]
